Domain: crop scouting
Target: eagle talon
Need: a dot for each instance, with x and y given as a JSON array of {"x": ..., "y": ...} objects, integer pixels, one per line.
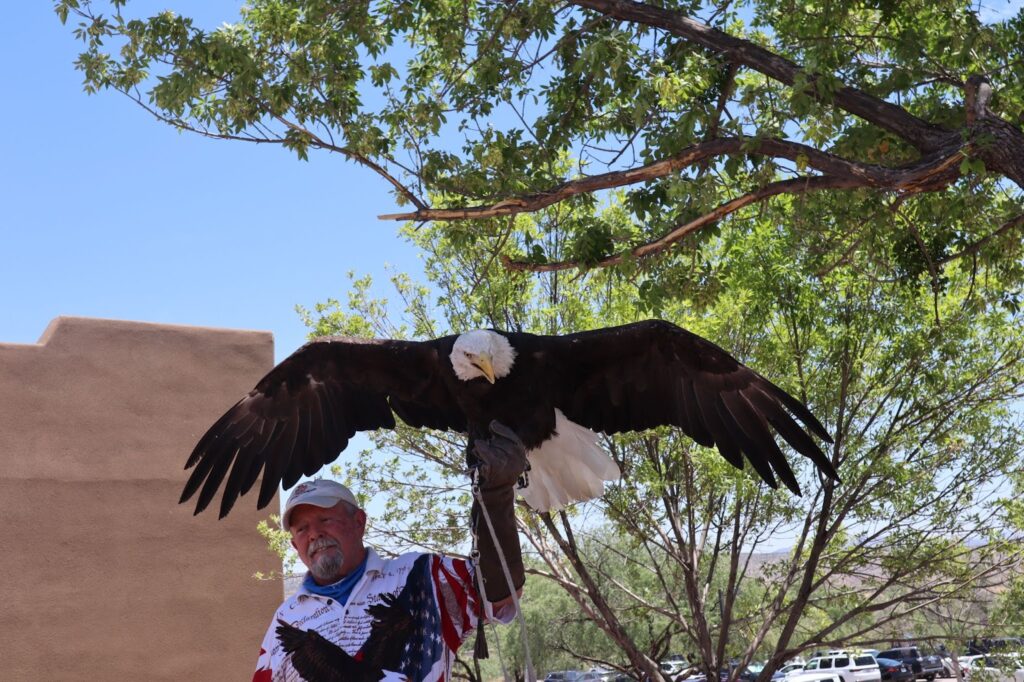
[{"x": 524, "y": 478}]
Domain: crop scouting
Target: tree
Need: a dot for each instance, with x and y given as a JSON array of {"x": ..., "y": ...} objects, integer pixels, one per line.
[
  {"x": 920, "y": 516},
  {"x": 832, "y": 193},
  {"x": 915, "y": 384},
  {"x": 906, "y": 114},
  {"x": 1009, "y": 614}
]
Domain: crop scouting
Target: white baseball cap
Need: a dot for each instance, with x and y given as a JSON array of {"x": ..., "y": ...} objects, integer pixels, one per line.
[{"x": 320, "y": 492}]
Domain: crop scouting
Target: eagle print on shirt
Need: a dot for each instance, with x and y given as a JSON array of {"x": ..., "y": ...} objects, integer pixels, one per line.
[{"x": 405, "y": 638}]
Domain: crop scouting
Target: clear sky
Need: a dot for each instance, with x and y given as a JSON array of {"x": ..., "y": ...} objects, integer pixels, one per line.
[{"x": 105, "y": 212}]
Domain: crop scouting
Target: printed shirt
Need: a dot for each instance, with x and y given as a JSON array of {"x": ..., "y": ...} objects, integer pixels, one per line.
[{"x": 437, "y": 592}]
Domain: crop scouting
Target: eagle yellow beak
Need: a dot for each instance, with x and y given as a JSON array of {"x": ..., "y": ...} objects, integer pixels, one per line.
[{"x": 483, "y": 363}]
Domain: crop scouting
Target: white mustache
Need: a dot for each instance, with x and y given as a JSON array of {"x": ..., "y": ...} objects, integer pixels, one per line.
[{"x": 318, "y": 545}]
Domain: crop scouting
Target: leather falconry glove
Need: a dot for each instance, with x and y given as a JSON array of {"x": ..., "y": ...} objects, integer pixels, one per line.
[{"x": 502, "y": 460}]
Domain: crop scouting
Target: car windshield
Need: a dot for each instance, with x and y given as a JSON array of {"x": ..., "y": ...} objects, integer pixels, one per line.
[
  {"x": 755, "y": 667},
  {"x": 864, "y": 660}
]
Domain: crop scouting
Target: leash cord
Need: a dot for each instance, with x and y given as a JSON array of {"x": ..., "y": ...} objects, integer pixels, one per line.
[{"x": 528, "y": 660}]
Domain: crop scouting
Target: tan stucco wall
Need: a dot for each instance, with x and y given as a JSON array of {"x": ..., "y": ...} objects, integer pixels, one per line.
[{"x": 103, "y": 576}]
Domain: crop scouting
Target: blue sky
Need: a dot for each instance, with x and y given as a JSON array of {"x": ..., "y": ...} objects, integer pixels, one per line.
[
  {"x": 106, "y": 212},
  {"x": 109, "y": 213}
]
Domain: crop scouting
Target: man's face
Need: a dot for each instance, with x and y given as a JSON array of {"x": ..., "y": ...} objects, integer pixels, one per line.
[{"x": 329, "y": 541}]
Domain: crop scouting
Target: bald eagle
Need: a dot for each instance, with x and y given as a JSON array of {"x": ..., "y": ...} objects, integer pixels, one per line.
[{"x": 556, "y": 392}]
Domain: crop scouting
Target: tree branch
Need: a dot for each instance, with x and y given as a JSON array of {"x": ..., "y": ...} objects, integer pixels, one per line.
[
  {"x": 923, "y": 135},
  {"x": 793, "y": 186},
  {"x": 925, "y": 173},
  {"x": 355, "y": 156},
  {"x": 1011, "y": 224}
]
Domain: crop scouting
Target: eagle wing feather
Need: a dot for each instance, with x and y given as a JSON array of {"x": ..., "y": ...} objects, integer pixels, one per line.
[
  {"x": 654, "y": 373},
  {"x": 303, "y": 413}
]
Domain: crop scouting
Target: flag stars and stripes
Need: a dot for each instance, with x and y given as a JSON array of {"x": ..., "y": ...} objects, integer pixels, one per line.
[{"x": 424, "y": 650}]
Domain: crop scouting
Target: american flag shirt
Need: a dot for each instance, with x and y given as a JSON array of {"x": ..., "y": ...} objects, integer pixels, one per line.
[{"x": 438, "y": 593}]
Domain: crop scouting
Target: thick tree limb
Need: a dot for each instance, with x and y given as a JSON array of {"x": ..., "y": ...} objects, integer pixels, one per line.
[
  {"x": 995, "y": 141},
  {"x": 826, "y": 163},
  {"x": 930, "y": 171},
  {"x": 925, "y": 136},
  {"x": 998, "y": 143},
  {"x": 794, "y": 186}
]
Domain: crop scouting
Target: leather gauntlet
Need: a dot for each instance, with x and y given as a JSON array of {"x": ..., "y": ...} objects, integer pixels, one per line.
[{"x": 502, "y": 461}]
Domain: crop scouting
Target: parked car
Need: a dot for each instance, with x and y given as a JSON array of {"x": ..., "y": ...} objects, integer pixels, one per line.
[
  {"x": 813, "y": 675},
  {"x": 996, "y": 668},
  {"x": 785, "y": 670},
  {"x": 675, "y": 665},
  {"x": 850, "y": 667},
  {"x": 615, "y": 676},
  {"x": 964, "y": 662},
  {"x": 594, "y": 675},
  {"x": 750, "y": 673},
  {"x": 924, "y": 667},
  {"x": 894, "y": 671}
]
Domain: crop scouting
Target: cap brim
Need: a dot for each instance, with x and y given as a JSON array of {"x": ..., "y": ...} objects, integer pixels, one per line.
[{"x": 323, "y": 501}]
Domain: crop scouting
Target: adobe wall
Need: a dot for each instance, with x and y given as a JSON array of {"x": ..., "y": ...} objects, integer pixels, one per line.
[{"x": 103, "y": 575}]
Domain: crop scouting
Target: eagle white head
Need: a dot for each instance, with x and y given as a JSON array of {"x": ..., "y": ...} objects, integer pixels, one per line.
[{"x": 482, "y": 353}]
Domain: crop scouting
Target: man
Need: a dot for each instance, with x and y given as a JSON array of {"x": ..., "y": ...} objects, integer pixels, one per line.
[{"x": 358, "y": 616}]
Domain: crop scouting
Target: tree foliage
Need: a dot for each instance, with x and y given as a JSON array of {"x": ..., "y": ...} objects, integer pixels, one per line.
[
  {"x": 915, "y": 383},
  {"x": 700, "y": 114}
]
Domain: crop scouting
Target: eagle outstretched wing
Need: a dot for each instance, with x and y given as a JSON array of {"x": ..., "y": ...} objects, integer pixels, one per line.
[
  {"x": 301, "y": 415},
  {"x": 654, "y": 373}
]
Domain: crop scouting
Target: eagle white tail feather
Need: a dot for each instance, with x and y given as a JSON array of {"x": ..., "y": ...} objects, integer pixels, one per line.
[{"x": 568, "y": 467}]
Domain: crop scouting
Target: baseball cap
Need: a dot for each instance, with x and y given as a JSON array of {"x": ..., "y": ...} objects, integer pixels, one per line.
[{"x": 320, "y": 492}]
